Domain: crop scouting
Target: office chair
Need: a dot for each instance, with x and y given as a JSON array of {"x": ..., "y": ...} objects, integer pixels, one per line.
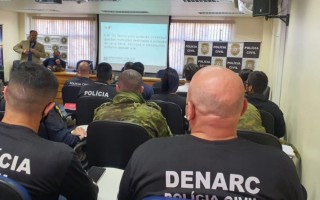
[
  {"x": 69, "y": 97},
  {"x": 260, "y": 138},
  {"x": 183, "y": 94},
  {"x": 1, "y": 115},
  {"x": 111, "y": 143},
  {"x": 88, "y": 61},
  {"x": 173, "y": 114},
  {"x": 267, "y": 120},
  {"x": 9, "y": 189},
  {"x": 86, "y": 106},
  {"x": 266, "y": 93},
  {"x": 15, "y": 64}
]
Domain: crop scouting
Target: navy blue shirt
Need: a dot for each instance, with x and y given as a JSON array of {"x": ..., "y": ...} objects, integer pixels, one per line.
[{"x": 52, "y": 61}]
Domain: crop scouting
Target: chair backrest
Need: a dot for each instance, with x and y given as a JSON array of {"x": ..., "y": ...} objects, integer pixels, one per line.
[
  {"x": 183, "y": 94},
  {"x": 266, "y": 93},
  {"x": 260, "y": 138},
  {"x": 267, "y": 120},
  {"x": 12, "y": 190},
  {"x": 86, "y": 106},
  {"x": 1, "y": 115},
  {"x": 70, "y": 94},
  {"x": 173, "y": 114},
  {"x": 15, "y": 64},
  {"x": 111, "y": 143},
  {"x": 88, "y": 61}
]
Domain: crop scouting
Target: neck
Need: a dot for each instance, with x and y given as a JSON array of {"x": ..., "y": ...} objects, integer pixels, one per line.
[
  {"x": 214, "y": 128},
  {"x": 26, "y": 120}
]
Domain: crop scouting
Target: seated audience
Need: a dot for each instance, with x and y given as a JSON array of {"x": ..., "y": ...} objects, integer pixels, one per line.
[
  {"x": 101, "y": 87},
  {"x": 129, "y": 105},
  {"x": 159, "y": 74},
  {"x": 256, "y": 84},
  {"x": 169, "y": 85},
  {"x": 56, "y": 129},
  {"x": 82, "y": 78},
  {"x": 148, "y": 90},
  {"x": 251, "y": 120},
  {"x": 45, "y": 168},
  {"x": 55, "y": 64},
  {"x": 212, "y": 162},
  {"x": 244, "y": 73},
  {"x": 188, "y": 71}
]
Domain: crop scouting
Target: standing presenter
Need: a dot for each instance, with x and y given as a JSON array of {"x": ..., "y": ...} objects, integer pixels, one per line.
[{"x": 30, "y": 50}]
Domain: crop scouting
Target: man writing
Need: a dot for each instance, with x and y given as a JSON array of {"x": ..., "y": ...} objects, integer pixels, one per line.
[
  {"x": 56, "y": 64},
  {"x": 30, "y": 50},
  {"x": 211, "y": 163},
  {"x": 46, "y": 169}
]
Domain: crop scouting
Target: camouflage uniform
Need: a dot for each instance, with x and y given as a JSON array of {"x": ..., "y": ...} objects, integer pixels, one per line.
[
  {"x": 251, "y": 120},
  {"x": 131, "y": 107}
]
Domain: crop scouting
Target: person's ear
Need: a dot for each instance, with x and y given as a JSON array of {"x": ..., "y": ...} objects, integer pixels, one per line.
[
  {"x": 117, "y": 88},
  {"x": 48, "y": 108},
  {"x": 190, "y": 111},
  {"x": 141, "y": 90},
  {"x": 5, "y": 92},
  {"x": 244, "y": 108}
]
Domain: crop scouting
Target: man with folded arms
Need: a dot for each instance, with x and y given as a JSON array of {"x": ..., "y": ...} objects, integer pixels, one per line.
[
  {"x": 46, "y": 169},
  {"x": 212, "y": 162}
]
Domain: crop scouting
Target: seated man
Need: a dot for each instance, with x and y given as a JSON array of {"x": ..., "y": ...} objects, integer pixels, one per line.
[
  {"x": 148, "y": 90},
  {"x": 188, "y": 71},
  {"x": 55, "y": 64},
  {"x": 82, "y": 78},
  {"x": 128, "y": 105},
  {"x": 212, "y": 162},
  {"x": 101, "y": 87},
  {"x": 55, "y": 129},
  {"x": 256, "y": 84},
  {"x": 45, "y": 168}
]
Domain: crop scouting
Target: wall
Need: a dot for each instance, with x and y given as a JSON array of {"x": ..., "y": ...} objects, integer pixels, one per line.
[
  {"x": 10, "y": 38},
  {"x": 300, "y": 94}
]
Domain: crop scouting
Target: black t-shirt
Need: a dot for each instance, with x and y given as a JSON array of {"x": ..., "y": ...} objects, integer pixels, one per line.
[
  {"x": 191, "y": 168},
  {"x": 98, "y": 89},
  {"x": 78, "y": 82},
  {"x": 259, "y": 101},
  {"x": 45, "y": 168}
]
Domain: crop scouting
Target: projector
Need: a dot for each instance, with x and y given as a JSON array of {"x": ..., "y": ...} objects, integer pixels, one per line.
[{"x": 49, "y": 1}]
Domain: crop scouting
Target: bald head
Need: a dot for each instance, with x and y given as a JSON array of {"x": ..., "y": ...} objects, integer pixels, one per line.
[
  {"x": 130, "y": 81},
  {"x": 84, "y": 69},
  {"x": 217, "y": 91}
]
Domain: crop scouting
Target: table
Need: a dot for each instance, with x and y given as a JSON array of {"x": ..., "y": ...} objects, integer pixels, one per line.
[{"x": 108, "y": 183}]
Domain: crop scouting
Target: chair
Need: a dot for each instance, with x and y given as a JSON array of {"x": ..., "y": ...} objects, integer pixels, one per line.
[
  {"x": 173, "y": 114},
  {"x": 183, "y": 94},
  {"x": 260, "y": 138},
  {"x": 266, "y": 93},
  {"x": 12, "y": 190},
  {"x": 88, "y": 61},
  {"x": 111, "y": 143},
  {"x": 1, "y": 115},
  {"x": 267, "y": 120},
  {"x": 69, "y": 97},
  {"x": 86, "y": 106},
  {"x": 15, "y": 64}
]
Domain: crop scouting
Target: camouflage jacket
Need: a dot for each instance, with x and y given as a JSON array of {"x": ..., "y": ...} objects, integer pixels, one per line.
[
  {"x": 251, "y": 120},
  {"x": 131, "y": 107}
]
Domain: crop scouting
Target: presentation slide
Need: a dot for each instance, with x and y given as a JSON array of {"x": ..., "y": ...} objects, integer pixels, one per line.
[{"x": 144, "y": 42}]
